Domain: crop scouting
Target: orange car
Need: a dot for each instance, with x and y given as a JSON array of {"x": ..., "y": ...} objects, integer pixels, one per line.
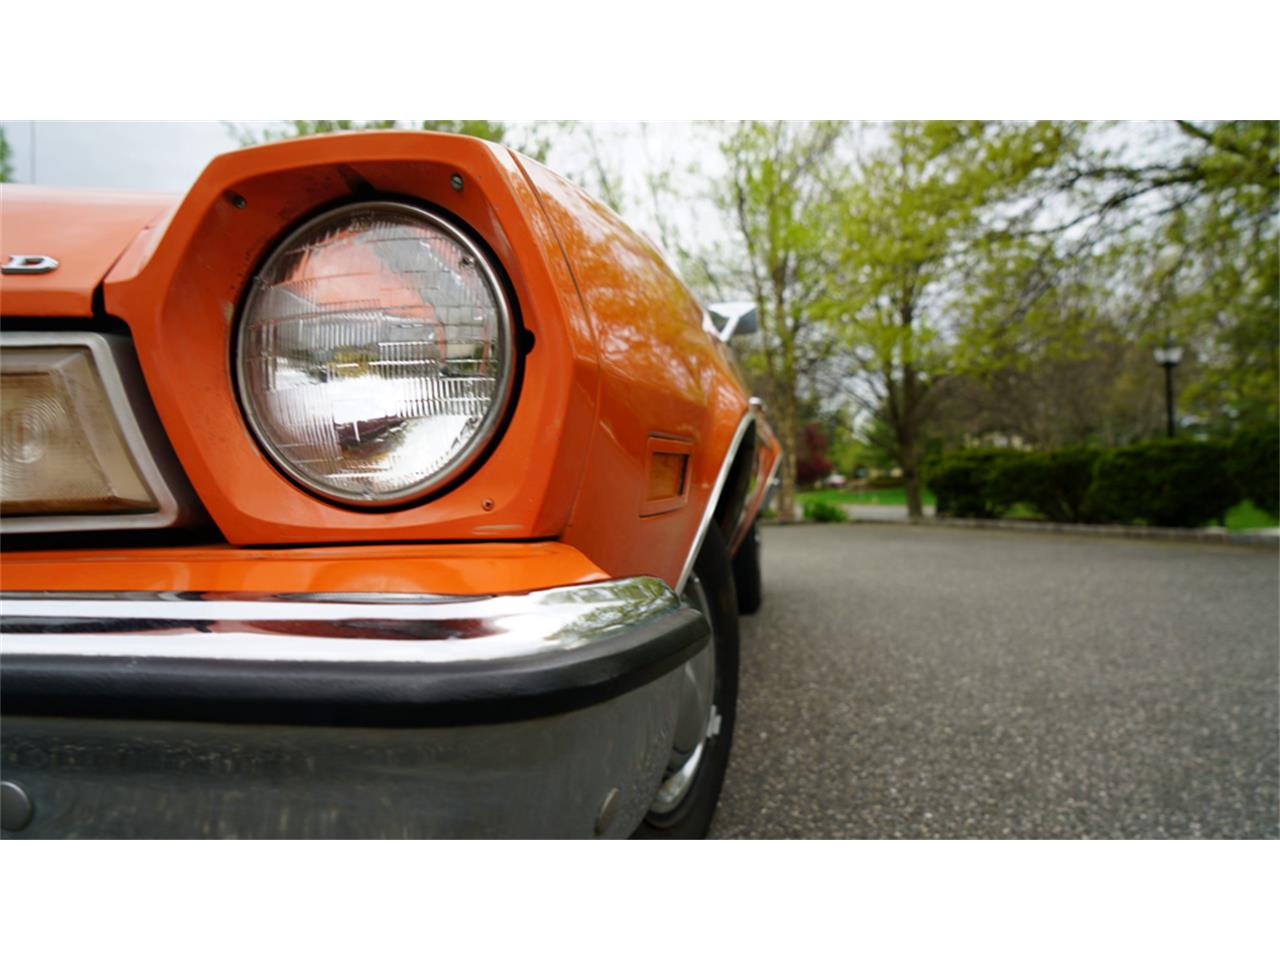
[{"x": 385, "y": 485}]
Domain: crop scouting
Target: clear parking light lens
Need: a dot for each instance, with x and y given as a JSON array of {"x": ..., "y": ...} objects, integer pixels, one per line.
[
  {"x": 61, "y": 448},
  {"x": 375, "y": 354}
]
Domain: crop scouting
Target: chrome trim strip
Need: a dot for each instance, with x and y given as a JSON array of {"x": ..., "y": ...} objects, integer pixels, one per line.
[
  {"x": 755, "y": 505},
  {"x": 768, "y": 484},
  {"x": 347, "y": 629},
  {"x": 130, "y": 405},
  {"x": 714, "y": 499},
  {"x": 28, "y": 263},
  {"x": 732, "y": 313}
]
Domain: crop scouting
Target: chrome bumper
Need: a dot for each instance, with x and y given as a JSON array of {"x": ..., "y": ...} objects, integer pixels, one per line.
[{"x": 161, "y": 715}]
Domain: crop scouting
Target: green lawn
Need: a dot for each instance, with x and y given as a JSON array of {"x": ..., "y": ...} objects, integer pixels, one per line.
[
  {"x": 1243, "y": 516},
  {"x": 895, "y": 497}
]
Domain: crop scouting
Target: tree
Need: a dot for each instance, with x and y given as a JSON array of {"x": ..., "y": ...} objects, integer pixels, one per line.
[
  {"x": 1167, "y": 231},
  {"x": 926, "y": 209},
  {"x": 532, "y": 140},
  {"x": 779, "y": 197},
  {"x": 1196, "y": 216}
]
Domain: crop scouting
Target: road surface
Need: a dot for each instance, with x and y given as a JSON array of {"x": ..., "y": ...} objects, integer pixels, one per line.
[{"x": 929, "y": 682}]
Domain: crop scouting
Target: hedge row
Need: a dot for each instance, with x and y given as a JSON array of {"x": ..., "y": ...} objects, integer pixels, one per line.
[{"x": 1166, "y": 483}]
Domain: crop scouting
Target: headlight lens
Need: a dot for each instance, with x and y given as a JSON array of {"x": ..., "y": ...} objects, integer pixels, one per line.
[{"x": 374, "y": 355}]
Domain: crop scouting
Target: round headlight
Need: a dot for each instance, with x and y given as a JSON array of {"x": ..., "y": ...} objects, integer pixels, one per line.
[{"x": 374, "y": 356}]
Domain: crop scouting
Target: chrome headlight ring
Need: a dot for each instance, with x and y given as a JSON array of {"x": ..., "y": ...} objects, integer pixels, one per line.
[{"x": 375, "y": 355}]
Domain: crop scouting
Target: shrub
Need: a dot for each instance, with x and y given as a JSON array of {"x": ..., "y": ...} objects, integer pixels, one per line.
[
  {"x": 1168, "y": 483},
  {"x": 1055, "y": 483},
  {"x": 1014, "y": 478},
  {"x": 962, "y": 482},
  {"x": 812, "y": 464},
  {"x": 820, "y": 511},
  {"x": 1253, "y": 461}
]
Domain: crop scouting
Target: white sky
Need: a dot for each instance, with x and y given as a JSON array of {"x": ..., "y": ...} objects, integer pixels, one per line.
[
  {"x": 134, "y": 156},
  {"x": 167, "y": 156}
]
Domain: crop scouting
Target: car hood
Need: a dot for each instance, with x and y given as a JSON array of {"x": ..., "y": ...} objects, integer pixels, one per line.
[{"x": 86, "y": 231}]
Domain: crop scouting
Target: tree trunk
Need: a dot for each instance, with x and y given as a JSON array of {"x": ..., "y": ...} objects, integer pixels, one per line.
[
  {"x": 911, "y": 476},
  {"x": 910, "y": 461},
  {"x": 908, "y": 452},
  {"x": 785, "y": 388},
  {"x": 786, "y": 432},
  {"x": 787, "y": 495}
]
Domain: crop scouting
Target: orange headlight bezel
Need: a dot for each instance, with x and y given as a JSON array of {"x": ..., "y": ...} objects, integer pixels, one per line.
[{"x": 179, "y": 292}]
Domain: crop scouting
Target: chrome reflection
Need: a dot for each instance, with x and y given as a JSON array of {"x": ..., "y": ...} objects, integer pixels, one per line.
[
  {"x": 677, "y": 784},
  {"x": 375, "y": 354},
  {"x": 698, "y": 719},
  {"x": 336, "y": 628},
  {"x": 713, "y": 500}
]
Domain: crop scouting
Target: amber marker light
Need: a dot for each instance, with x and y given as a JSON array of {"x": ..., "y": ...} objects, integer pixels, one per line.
[
  {"x": 666, "y": 475},
  {"x": 668, "y": 468}
]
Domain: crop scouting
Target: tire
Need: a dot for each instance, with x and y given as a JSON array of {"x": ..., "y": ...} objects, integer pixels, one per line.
[
  {"x": 746, "y": 572},
  {"x": 691, "y": 818}
]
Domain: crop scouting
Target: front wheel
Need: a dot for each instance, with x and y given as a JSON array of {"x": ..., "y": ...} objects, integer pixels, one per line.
[{"x": 686, "y": 799}]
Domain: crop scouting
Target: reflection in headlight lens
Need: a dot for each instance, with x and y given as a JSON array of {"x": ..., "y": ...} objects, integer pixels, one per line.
[{"x": 374, "y": 354}]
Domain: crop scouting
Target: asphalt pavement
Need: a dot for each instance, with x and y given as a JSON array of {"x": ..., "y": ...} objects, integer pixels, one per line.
[{"x": 923, "y": 682}]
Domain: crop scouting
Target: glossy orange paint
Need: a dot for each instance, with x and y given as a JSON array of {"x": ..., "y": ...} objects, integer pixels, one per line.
[
  {"x": 84, "y": 230},
  {"x": 457, "y": 569},
  {"x": 660, "y": 374},
  {"x": 180, "y": 291},
  {"x": 619, "y": 356}
]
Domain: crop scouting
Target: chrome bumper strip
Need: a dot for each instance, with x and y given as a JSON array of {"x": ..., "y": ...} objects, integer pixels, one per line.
[{"x": 381, "y": 659}]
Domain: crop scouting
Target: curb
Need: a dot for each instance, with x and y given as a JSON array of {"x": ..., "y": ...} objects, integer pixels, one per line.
[
  {"x": 1242, "y": 539},
  {"x": 1176, "y": 534}
]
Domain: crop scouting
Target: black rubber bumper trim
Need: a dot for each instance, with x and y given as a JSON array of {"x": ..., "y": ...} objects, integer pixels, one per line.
[{"x": 352, "y": 694}]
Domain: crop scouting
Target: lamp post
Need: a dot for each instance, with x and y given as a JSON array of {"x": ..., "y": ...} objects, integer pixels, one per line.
[{"x": 1168, "y": 356}]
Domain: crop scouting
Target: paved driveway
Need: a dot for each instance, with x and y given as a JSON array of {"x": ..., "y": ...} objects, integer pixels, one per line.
[{"x": 913, "y": 682}]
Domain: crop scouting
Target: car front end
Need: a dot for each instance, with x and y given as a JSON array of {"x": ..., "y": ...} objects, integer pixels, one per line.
[{"x": 361, "y": 492}]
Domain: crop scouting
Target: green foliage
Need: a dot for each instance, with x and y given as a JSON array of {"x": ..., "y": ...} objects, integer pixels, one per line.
[
  {"x": 1245, "y": 516},
  {"x": 1203, "y": 259},
  {"x": 780, "y": 198},
  {"x": 1254, "y": 464},
  {"x": 290, "y": 129},
  {"x": 888, "y": 494},
  {"x": 1009, "y": 280},
  {"x": 534, "y": 144},
  {"x": 938, "y": 197},
  {"x": 1054, "y": 483},
  {"x": 1166, "y": 483},
  {"x": 964, "y": 482},
  {"x": 6, "y": 168},
  {"x": 493, "y": 130},
  {"x": 820, "y": 511}
]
